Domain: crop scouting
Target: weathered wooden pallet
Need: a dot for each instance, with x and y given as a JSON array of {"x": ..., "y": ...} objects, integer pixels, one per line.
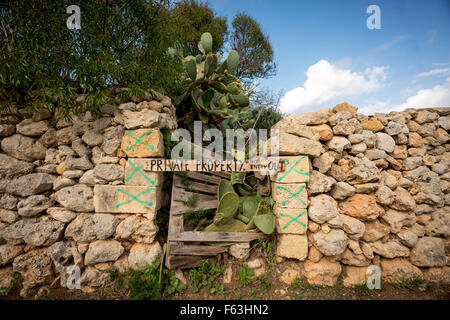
[{"x": 186, "y": 249}]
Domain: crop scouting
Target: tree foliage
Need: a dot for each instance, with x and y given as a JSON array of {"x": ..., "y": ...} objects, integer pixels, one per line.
[{"x": 253, "y": 47}]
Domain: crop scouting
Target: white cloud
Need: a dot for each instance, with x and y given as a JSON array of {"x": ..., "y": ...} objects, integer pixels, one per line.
[
  {"x": 390, "y": 43},
  {"x": 326, "y": 82},
  {"x": 433, "y": 72},
  {"x": 438, "y": 96}
]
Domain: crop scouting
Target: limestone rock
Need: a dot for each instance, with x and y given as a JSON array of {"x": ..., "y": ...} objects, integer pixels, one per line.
[
  {"x": 77, "y": 198},
  {"x": 338, "y": 144},
  {"x": 88, "y": 227},
  {"x": 322, "y": 208},
  {"x": 240, "y": 251},
  {"x": 292, "y": 246},
  {"x": 319, "y": 183},
  {"x": 300, "y": 130},
  {"x": 23, "y": 148},
  {"x": 137, "y": 229},
  {"x": 353, "y": 227},
  {"x": 332, "y": 243},
  {"x": 440, "y": 223},
  {"x": 109, "y": 172},
  {"x": 142, "y": 143},
  {"x": 342, "y": 190},
  {"x": 8, "y": 252},
  {"x": 11, "y": 167},
  {"x": 324, "y": 162},
  {"x": 8, "y": 202},
  {"x": 34, "y": 205},
  {"x": 390, "y": 249},
  {"x": 374, "y": 231},
  {"x": 324, "y": 131},
  {"x": 408, "y": 238},
  {"x": 372, "y": 125},
  {"x": 325, "y": 272},
  {"x": 354, "y": 276},
  {"x": 397, "y": 220},
  {"x": 103, "y": 251},
  {"x": 291, "y": 145},
  {"x": 352, "y": 259},
  {"x": 61, "y": 214},
  {"x": 30, "y": 184},
  {"x": 385, "y": 142},
  {"x": 399, "y": 270},
  {"x": 35, "y": 267},
  {"x": 92, "y": 138},
  {"x": 29, "y": 128},
  {"x": 362, "y": 207},
  {"x": 145, "y": 118},
  {"x": 429, "y": 252},
  {"x": 142, "y": 255}
]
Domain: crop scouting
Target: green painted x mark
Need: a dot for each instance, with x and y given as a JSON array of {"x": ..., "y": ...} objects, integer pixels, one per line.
[
  {"x": 292, "y": 168},
  {"x": 293, "y": 219},
  {"x": 139, "y": 140},
  {"x": 292, "y": 195},
  {"x": 138, "y": 169},
  {"x": 135, "y": 197}
]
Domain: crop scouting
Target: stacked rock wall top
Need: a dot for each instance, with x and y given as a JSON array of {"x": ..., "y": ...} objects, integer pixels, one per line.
[
  {"x": 378, "y": 193},
  {"x": 75, "y": 193}
]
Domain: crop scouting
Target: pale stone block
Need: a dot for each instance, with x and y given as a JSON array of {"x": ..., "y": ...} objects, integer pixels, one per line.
[
  {"x": 136, "y": 176},
  {"x": 143, "y": 143},
  {"x": 292, "y": 246},
  {"x": 290, "y": 195},
  {"x": 127, "y": 199},
  {"x": 296, "y": 170},
  {"x": 291, "y": 221}
]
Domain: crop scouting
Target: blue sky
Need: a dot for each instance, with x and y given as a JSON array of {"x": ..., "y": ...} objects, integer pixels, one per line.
[{"x": 326, "y": 54}]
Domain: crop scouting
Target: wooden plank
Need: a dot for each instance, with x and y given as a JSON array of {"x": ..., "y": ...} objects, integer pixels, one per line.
[
  {"x": 196, "y": 186},
  {"x": 191, "y": 236},
  {"x": 179, "y": 209},
  {"x": 175, "y": 226},
  {"x": 182, "y": 195},
  {"x": 225, "y": 175},
  {"x": 203, "y": 177},
  {"x": 183, "y": 262},
  {"x": 199, "y": 250}
]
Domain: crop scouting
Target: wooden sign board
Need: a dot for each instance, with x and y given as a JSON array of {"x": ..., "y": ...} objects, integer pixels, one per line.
[{"x": 213, "y": 165}]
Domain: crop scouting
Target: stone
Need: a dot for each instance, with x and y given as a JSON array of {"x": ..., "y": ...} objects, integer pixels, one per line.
[
  {"x": 290, "y": 145},
  {"x": 322, "y": 208},
  {"x": 292, "y": 221},
  {"x": 88, "y": 227},
  {"x": 313, "y": 227},
  {"x": 92, "y": 138},
  {"x": 47, "y": 168},
  {"x": 415, "y": 140},
  {"x": 288, "y": 276},
  {"x": 390, "y": 249},
  {"x": 331, "y": 243},
  {"x": 78, "y": 198},
  {"x": 297, "y": 170},
  {"x": 370, "y": 139},
  {"x": 439, "y": 275},
  {"x": 345, "y": 106},
  {"x": 8, "y": 202},
  {"x": 314, "y": 255},
  {"x": 403, "y": 200},
  {"x": 240, "y": 251},
  {"x": 6, "y": 278},
  {"x": 72, "y": 174},
  {"x": 338, "y": 144},
  {"x": 408, "y": 238},
  {"x": 44, "y": 232},
  {"x": 300, "y": 130},
  {"x": 6, "y": 130},
  {"x": 325, "y": 272},
  {"x": 361, "y": 170},
  {"x": 61, "y": 214},
  {"x": 14, "y": 233},
  {"x": 367, "y": 250},
  {"x": 399, "y": 270},
  {"x": 93, "y": 278},
  {"x": 103, "y": 251},
  {"x": 65, "y": 136},
  {"x": 136, "y": 228},
  {"x": 353, "y": 259},
  {"x": 121, "y": 199},
  {"x": 319, "y": 183},
  {"x": 411, "y": 163},
  {"x": 143, "y": 143},
  {"x": 11, "y": 167},
  {"x": 31, "y": 184},
  {"x": 354, "y": 276},
  {"x": 63, "y": 256},
  {"x": 400, "y": 152},
  {"x": 8, "y": 252},
  {"x": 344, "y": 128},
  {"x": 372, "y": 125},
  {"x": 62, "y": 182},
  {"x": 342, "y": 190},
  {"x": 145, "y": 118},
  {"x": 397, "y": 220},
  {"x": 374, "y": 231},
  {"x": 374, "y": 154},
  {"x": 23, "y": 148},
  {"x": 80, "y": 148},
  {"x": 428, "y": 252},
  {"x": 8, "y": 216},
  {"x": 142, "y": 255},
  {"x": 385, "y": 195},
  {"x": 29, "y": 128},
  {"x": 358, "y": 148},
  {"x": 444, "y": 122},
  {"x": 336, "y": 222},
  {"x": 33, "y": 205},
  {"x": 362, "y": 207},
  {"x": 385, "y": 142},
  {"x": 112, "y": 140},
  {"x": 135, "y": 175},
  {"x": 109, "y": 172},
  {"x": 324, "y": 131},
  {"x": 82, "y": 163},
  {"x": 353, "y": 227},
  {"x": 35, "y": 267},
  {"x": 324, "y": 162},
  {"x": 440, "y": 223},
  {"x": 293, "y": 246},
  {"x": 308, "y": 118}
]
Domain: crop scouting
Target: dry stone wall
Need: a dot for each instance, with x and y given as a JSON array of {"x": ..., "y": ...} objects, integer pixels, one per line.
[
  {"x": 75, "y": 193},
  {"x": 378, "y": 194}
]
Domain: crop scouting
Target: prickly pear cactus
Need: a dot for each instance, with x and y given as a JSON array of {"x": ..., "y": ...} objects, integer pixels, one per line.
[
  {"x": 227, "y": 207},
  {"x": 213, "y": 93}
]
